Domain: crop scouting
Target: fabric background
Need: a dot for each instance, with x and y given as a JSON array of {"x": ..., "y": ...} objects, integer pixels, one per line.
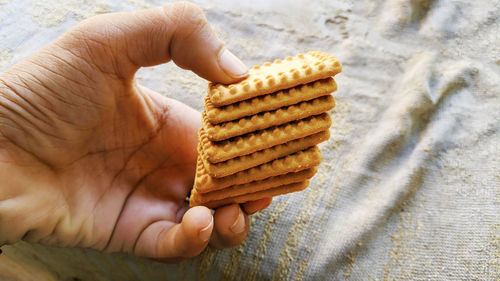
[{"x": 410, "y": 183}]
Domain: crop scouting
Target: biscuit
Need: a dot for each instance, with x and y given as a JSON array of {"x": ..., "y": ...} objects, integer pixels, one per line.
[
  {"x": 215, "y": 152},
  {"x": 237, "y": 190},
  {"x": 267, "y": 119},
  {"x": 269, "y": 102},
  {"x": 283, "y": 189},
  {"x": 298, "y": 161},
  {"x": 241, "y": 163},
  {"x": 272, "y": 77}
]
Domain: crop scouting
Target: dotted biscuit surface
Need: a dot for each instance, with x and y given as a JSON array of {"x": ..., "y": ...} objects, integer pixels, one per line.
[
  {"x": 283, "y": 189},
  {"x": 259, "y": 136},
  {"x": 216, "y": 152},
  {"x": 267, "y": 119},
  {"x": 272, "y": 77},
  {"x": 241, "y": 163},
  {"x": 299, "y": 161},
  {"x": 236, "y": 190},
  {"x": 269, "y": 102}
]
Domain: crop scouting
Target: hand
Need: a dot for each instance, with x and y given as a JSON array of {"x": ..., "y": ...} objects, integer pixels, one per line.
[{"x": 90, "y": 158}]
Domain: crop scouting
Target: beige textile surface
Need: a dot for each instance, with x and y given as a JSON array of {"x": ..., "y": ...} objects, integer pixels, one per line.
[{"x": 410, "y": 183}]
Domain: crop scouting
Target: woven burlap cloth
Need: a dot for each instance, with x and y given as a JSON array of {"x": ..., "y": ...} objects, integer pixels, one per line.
[{"x": 409, "y": 187}]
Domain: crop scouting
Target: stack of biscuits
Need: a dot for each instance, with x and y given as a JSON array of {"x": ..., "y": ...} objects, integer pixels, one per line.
[{"x": 259, "y": 136}]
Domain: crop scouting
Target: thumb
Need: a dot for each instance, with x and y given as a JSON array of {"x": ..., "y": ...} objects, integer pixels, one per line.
[{"x": 121, "y": 43}]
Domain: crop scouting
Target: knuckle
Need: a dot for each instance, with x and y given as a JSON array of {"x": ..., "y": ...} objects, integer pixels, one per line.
[
  {"x": 187, "y": 17},
  {"x": 230, "y": 240},
  {"x": 89, "y": 23},
  {"x": 231, "y": 243},
  {"x": 190, "y": 8},
  {"x": 190, "y": 251}
]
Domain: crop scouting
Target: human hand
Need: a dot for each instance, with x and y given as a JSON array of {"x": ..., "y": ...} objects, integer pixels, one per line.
[{"x": 89, "y": 158}]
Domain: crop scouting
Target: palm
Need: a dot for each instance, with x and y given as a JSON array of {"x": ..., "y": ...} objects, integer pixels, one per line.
[
  {"x": 133, "y": 157},
  {"x": 143, "y": 177}
]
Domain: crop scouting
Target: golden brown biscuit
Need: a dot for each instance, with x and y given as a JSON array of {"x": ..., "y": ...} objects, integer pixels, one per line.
[
  {"x": 241, "y": 163},
  {"x": 269, "y": 102},
  {"x": 280, "y": 190},
  {"x": 267, "y": 119},
  {"x": 272, "y": 77},
  {"x": 298, "y": 161},
  {"x": 251, "y": 187},
  {"x": 216, "y": 152},
  {"x": 257, "y": 134}
]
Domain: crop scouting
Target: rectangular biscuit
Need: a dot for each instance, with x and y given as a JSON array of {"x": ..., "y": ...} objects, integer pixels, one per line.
[
  {"x": 280, "y": 190},
  {"x": 216, "y": 115},
  {"x": 298, "y": 161},
  {"x": 241, "y": 163},
  {"x": 264, "y": 120},
  {"x": 236, "y": 190},
  {"x": 272, "y": 77},
  {"x": 215, "y": 152}
]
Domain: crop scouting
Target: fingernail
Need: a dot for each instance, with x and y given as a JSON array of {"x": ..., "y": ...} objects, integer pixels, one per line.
[
  {"x": 206, "y": 232},
  {"x": 239, "y": 225},
  {"x": 232, "y": 65}
]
